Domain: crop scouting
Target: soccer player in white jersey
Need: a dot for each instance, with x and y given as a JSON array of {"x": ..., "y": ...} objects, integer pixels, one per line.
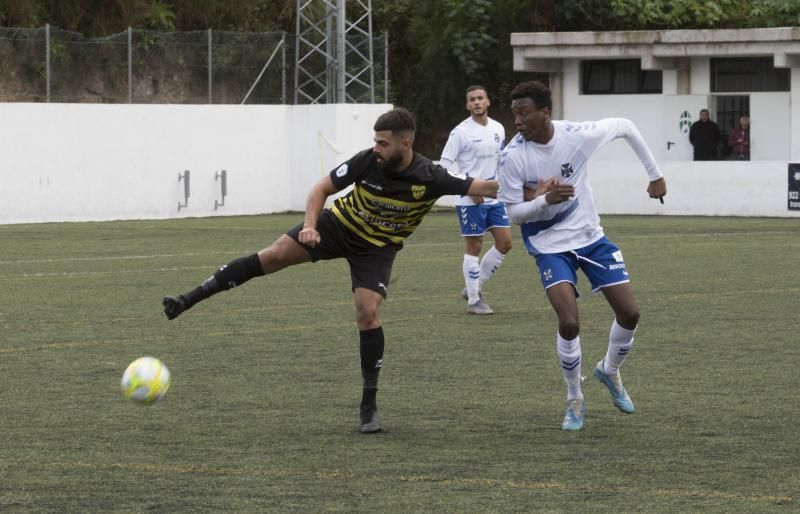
[
  {"x": 561, "y": 229},
  {"x": 475, "y": 144}
]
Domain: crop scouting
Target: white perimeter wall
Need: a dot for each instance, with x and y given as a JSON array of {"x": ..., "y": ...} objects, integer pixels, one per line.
[{"x": 75, "y": 162}]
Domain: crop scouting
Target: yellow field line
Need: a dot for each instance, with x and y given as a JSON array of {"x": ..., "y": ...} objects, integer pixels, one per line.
[{"x": 432, "y": 479}]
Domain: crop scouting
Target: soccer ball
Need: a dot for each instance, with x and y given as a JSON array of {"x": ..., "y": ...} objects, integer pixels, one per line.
[{"x": 146, "y": 380}]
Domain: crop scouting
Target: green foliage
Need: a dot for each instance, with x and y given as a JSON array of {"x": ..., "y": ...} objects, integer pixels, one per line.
[
  {"x": 676, "y": 14},
  {"x": 467, "y": 25},
  {"x": 19, "y": 13},
  {"x": 241, "y": 15},
  {"x": 160, "y": 16},
  {"x": 440, "y": 48}
]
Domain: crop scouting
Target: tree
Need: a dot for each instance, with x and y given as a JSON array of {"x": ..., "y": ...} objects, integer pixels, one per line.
[{"x": 440, "y": 48}]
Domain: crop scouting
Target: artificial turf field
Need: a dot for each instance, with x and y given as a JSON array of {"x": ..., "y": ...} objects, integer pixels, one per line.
[{"x": 263, "y": 410}]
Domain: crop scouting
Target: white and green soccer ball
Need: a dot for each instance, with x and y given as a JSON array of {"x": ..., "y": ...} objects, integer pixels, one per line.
[{"x": 146, "y": 380}]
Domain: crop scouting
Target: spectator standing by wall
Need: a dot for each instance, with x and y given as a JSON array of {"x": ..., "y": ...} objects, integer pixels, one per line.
[
  {"x": 739, "y": 140},
  {"x": 705, "y": 137}
]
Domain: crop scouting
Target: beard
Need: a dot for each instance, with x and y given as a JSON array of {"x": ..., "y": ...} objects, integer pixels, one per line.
[{"x": 390, "y": 165}]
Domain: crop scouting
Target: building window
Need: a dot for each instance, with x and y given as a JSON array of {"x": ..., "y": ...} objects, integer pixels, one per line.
[
  {"x": 618, "y": 77},
  {"x": 747, "y": 74}
]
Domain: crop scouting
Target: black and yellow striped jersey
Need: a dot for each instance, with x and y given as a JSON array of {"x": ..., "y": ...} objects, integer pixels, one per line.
[{"x": 385, "y": 208}]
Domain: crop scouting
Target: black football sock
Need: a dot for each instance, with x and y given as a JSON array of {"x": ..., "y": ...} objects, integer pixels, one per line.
[
  {"x": 233, "y": 274},
  {"x": 371, "y": 349}
]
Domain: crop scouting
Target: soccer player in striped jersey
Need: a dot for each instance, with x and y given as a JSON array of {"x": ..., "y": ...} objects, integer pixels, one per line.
[
  {"x": 394, "y": 187},
  {"x": 561, "y": 229},
  {"x": 475, "y": 144}
]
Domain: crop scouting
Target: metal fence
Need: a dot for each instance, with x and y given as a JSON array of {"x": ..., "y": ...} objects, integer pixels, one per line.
[{"x": 139, "y": 66}]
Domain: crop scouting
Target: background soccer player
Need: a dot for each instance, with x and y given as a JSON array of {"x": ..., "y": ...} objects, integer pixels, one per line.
[
  {"x": 475, "y": 146},
  {"x": 394, "y": 188},
  {"x": 561, "y": 229}
]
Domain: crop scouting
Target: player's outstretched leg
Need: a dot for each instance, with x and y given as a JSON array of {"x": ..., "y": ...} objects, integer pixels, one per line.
[{"x": 235, "y": 273}]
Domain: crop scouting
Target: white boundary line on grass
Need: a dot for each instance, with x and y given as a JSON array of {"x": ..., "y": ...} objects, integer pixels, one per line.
[{"x": 409, "y": 245}]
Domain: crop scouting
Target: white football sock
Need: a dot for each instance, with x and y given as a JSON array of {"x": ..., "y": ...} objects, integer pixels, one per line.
[
  {"x": 489, "y": 263},
  {"x": 569, "y": 358},
  {"x": 472, "y": 272},
  {"x": 620, "y": 342}
]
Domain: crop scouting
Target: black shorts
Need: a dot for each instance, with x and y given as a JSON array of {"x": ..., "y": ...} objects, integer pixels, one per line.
[{"x": 370, "y": 265}]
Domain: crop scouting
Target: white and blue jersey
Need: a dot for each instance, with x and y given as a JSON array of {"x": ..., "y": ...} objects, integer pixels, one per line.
[
  {"x": 476, "y": 149},
  {"x": 574, "y": 223}
]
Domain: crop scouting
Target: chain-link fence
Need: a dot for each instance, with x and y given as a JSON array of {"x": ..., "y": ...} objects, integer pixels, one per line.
[{"x": 139, "y": 66}]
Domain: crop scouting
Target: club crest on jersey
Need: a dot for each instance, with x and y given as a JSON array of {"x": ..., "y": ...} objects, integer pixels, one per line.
[
  {"x": 566, "y": 170},
  {"x": 417, "y": 192},
  {"x": 341, "y": 171}
]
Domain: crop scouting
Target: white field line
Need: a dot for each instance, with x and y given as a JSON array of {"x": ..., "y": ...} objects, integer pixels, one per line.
[{"x": 677, "y": 235}]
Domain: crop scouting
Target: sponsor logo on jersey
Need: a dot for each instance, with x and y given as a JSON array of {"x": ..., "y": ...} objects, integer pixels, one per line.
[
  {"x": 341, "y": 171},
  {"x": 417, "y": 191},
  {"x": 566, "y": 170},
  {"x": 377, "y": 187}
]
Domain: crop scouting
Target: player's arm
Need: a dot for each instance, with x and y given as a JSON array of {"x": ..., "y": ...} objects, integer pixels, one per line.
[
  {"x": 544, "y": 187},
  {"x": 314, "y": 204},
  {"x": 609, "y": 129},
  {"x": 657, "y": 188},
  {"x": 549, "y": 192},
  {"x": 480, "y": 187}
]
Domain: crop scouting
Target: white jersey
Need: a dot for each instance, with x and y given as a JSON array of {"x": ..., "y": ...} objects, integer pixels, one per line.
[
  {"x": 574, "y": 223},
  {"x": 476, "y": 150}
]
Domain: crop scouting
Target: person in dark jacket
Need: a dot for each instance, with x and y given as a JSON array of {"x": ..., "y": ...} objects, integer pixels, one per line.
[{"x": 704, "y": 136}]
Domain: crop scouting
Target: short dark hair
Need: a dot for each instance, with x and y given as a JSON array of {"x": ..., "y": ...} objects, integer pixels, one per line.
[
  {"x": 475, "y": 87},
  {"x": 534, "y": 90},
  {"x": 703, "y": 110},
  {"x": 396, "y": 120}
]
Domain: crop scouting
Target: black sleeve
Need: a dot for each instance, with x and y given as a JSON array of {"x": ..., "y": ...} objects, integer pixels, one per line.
[
  {"x": 351, "y": 170},
  {"x": 446, "y": 183}
]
